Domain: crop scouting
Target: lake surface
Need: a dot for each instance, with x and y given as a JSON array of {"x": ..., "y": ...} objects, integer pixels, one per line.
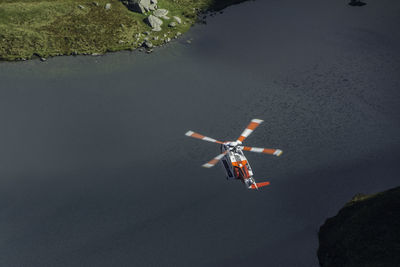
[{"x": 95, "y": 169}]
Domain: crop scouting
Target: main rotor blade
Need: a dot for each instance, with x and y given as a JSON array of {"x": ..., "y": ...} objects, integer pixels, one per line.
[
  {"x": 276, "y": 152},
  {"x": 214, "y": 161},
  {"x": 202, "y": 137},
  {"x": 249, "y": 129}
]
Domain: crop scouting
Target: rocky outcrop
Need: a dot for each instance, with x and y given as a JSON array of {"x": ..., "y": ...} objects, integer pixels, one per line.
[
  {"x": 366, "y": 232},
  {"x": 154, "y": 19},
  {"x": 141, "y": 6},
  {"x": 154, "y": 22}
]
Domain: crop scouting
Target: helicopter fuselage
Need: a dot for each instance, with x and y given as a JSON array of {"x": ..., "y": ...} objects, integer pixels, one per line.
[{"x": 236, "y": 164}]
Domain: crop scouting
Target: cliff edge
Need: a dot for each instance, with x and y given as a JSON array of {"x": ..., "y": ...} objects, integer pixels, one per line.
[{"x": 365, "y": 232}]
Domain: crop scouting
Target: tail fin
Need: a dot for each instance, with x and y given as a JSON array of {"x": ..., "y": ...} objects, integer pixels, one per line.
[{"x": 259, "y": 185}]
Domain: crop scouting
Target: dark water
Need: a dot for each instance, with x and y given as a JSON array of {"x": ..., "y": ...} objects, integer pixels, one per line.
[{"x": 95, "y": 169}]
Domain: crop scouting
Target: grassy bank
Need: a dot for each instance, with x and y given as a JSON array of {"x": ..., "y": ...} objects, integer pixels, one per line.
[
  {"x": 365, "y": 233},
  {"x": 63, "y": 27}
]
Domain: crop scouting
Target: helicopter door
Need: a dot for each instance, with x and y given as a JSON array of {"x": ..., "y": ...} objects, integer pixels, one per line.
[{"x": 228, "y": 171}]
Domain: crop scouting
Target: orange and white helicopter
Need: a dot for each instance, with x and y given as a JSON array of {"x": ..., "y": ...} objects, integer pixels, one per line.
[{"x": 233, "y": 159}]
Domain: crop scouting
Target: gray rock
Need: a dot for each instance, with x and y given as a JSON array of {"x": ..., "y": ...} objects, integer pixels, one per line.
[
  {"x": 95, "y": 3},
  {"x": 178, "y": 19},
  {"x": 108, "y": 6},
  {"x": 81, "y": 7},
  {"x": 172, "y": 24},
  {"x": 160, "y": 12},
  {"x": 141, "y": 6},
  {"x": 154, "y": 22},
  {"x": 147, "y": 44},
  {"x": 43, "y": 59},
  {"x": 153, "y": 7}
]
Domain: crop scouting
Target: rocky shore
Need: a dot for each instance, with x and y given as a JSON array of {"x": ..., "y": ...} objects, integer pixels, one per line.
[
  {"x": 37, "y": 28},
  {"x": 366, "y": 232}
]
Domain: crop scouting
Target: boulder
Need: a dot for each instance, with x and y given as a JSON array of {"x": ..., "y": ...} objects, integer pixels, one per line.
[
  {"x": 108, "y": 6},
  {"x": 172, "y": 24},
  {"x": 147, "y": 44},
  {"x": 177, "y": 19},
  {"x": 161, "y": 13},
  {"x": 153, "y": 5},
  {"x": 141, "y": 6},
  {"x": 154, "y": 22}
]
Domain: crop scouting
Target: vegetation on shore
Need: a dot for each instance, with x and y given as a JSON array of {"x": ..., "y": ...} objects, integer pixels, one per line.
[
  {"x": 46, "y": 28},
  {"x": 364, "y": 233}
]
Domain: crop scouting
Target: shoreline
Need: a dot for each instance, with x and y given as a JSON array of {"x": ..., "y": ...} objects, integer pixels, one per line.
[{"x": 34, "y": 29}]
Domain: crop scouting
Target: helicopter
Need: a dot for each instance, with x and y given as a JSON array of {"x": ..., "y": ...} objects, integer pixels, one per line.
[{"x": 235, "y": 163}]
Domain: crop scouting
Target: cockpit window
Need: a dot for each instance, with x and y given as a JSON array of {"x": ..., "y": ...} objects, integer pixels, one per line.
[{"x": 248, "y": 166}]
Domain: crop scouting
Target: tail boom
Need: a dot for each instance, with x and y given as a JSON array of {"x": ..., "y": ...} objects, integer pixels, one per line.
[{"x": 258, "y": 185}]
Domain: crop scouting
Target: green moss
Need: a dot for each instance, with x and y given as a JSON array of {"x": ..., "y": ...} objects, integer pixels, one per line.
[
  {"x": 62, "y": 27},
  {"x": 365, "y": 232}
]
